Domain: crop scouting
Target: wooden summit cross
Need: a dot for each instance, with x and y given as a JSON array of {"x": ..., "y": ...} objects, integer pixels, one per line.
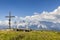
[{"x": 10, "y": 19}]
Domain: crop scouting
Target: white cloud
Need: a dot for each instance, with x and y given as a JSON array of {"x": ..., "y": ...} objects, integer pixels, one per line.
[
  {"x": 44, "y": 16},
  {"x": 35, "y": 19}
]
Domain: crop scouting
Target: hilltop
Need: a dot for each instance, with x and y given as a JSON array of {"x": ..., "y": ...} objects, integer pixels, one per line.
[{"x": 32, "y": 35}]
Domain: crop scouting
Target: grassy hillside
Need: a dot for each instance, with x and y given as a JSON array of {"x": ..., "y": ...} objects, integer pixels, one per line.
[{"x": 33, "y": 35}]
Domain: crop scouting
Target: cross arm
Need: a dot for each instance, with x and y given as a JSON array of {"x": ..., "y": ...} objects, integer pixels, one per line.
[{"x": 10, "y": 16}]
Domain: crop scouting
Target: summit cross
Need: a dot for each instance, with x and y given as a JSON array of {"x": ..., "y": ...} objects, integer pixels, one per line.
[{"x": 10, "y": 19}]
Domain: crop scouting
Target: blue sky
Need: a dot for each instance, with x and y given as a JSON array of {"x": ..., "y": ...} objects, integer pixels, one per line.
[
  {"x": 47, "y": 11},
  {"x": 23, "y": 8}
]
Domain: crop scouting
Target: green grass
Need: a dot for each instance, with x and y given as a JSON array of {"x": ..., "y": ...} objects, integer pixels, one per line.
[{"x": 33, "y": 35}]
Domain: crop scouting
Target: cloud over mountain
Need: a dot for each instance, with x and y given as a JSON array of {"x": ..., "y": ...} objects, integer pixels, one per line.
[{"x": 38, "y": 20}]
